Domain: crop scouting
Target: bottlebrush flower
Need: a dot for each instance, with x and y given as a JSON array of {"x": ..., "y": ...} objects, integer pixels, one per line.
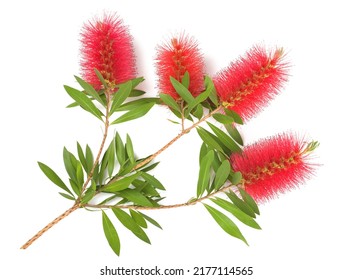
[
  {"x": 107, "y": 47},
  {"x": 174, "y": 59},
  {"x": 248, "y": 84},
  {"x": 273, "y": 165}
]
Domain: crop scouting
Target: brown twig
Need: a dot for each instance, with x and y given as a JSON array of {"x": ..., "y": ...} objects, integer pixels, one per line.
[
  {"x": 50, "y": 225},
  {"x": 89, "y": 177}
]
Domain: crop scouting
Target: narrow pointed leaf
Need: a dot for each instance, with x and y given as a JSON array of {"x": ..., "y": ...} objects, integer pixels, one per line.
[
  {"x": 150, "y": 220},
  {"x": 136, "y": 93},
  {"x": 67, "y": 196},
  {"x": 120, "y": 184},
  {"x": 234, "y": 133},
  {"x": 82, "y": 158},
  {"x": 186, "y": 79},
  {"x": 89, "y": 90},
  {"x": 128, "y": 222},
  {"x": 89, "y": 194},
  {"x": 119, "y": 149},
  {"x": 138, "y": 218},
  {"x": 152, "y": 180},
  {"x": 130, "y": 149},
  {"x": 101, "y": 79},
  {"x": 169, "y": 101},
  {"x": 136, "y": 81},
  {"x": 183, "y": 92},
  {"x": 208, "y": 139},
  {"x": 203, "y": 151},
  {"x": 53, "y": 177},
  {"x": 235, "y": 177},
  {"x": 70, "y": 165},
  {"x": 222, "y": 174},
  {"x": 223, "y": 118},
  {"x": 226, "y": 140},
  {"x": 225, "y": 223},
  {"x": 236, "y": 118},
  {"x": 82, "y": 99},
  {"x": 111, "y": 234},
  {"x": 134, "y": 113},
  {"x": 249, "y": 200},
  {"x": 89, "y": 158},
  {"x": 120, "y": 96},
  {"x": 233, "y": 209},
  {"x": 136, "y": 197},
  {"x": 136, "y": 103},
  {"x": 204, "y": 173},
  {"x": 198, "y": 112},
  {"x": 213, "y": 94},
  {"x": 241, "y": 204}
]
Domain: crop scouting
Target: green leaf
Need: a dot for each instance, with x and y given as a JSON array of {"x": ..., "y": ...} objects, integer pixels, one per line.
[
  {"x": 241, "y": 204},
  {"x": 82, "y": 158},
  {"x": 136, "y": 92},
  {"x": 134, "y": 113},
  {"x": 111, "y": 234},
  {"x": 130, "y": 149},
  {"x": 79, "y": 174},
  {"x": 249, "y": 200},
  {"x": 89, "y": 194},
  {"x": 213, "y": 94},
  {"x": 138, "y": 218},
  {"x": 204, "y": 173},
  {"x": 234, "y": 133},
  {"x": 150, "y": 220},
  {"x": 240, "y": 215},
  {"x": 75, "y": 187},
  {"x": 119, "y": 149},
  {"x": 222, "y": 174},
  {"x": 169, "y": 101},
  {"x": 198, "y": 112},
  {"x": 203, "y": 151},
  {"x": 222, "y": 118},
  {"x": 67, "y": 196},
  {"x": 136, "y": 103},
  {"x": 200, "y": 98},
  {"x": 136, "y": 197},
  {"x": 89, "y": 90},
  {"x": 150, "y": 167},
  {"x": 183, "y": 92},
  {"x": 120, "y": 96},
  {"x": 235, "y": 177},
  {"x": 225, "y": 139},
  {"x": 111, "y": 157},
  {"x": 53, "y": 177},
  {"x": 84, "y": 101},
  {"x": 101, "y": 79},
  {"x": 120, "y": 184},
  {"x": 152, "y": 180},
  {"x": 225, "y": 223},
  {"x": 208, "y": 138},
  {"x": 70, "y": 164},
  {"x": 186, "y": 79},
  {"x": 128, "y": 222},
  {"x": 136, "y": 81},
  {"x": 236, "y": 118},
  {"x": 89, "y": 159}
]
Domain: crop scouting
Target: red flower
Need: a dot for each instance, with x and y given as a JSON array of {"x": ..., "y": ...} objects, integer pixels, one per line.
[
  {"x": 273, "y": 165},
  {"x": 250, "y": 83},
  {"x": 174, "y": 59},
  {"x": 107, "y": 46}
]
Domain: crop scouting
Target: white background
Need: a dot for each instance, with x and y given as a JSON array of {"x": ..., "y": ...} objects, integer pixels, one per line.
[{"x": 306, "y": 234}]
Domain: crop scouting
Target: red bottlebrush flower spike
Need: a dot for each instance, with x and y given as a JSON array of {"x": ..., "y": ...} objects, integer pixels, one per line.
[
  {"x": 174, "y": 59},
  {"x": 248, "y": 84},
  {"x": 107, "y": 47},
  {"x": 273, "y": 165}
]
